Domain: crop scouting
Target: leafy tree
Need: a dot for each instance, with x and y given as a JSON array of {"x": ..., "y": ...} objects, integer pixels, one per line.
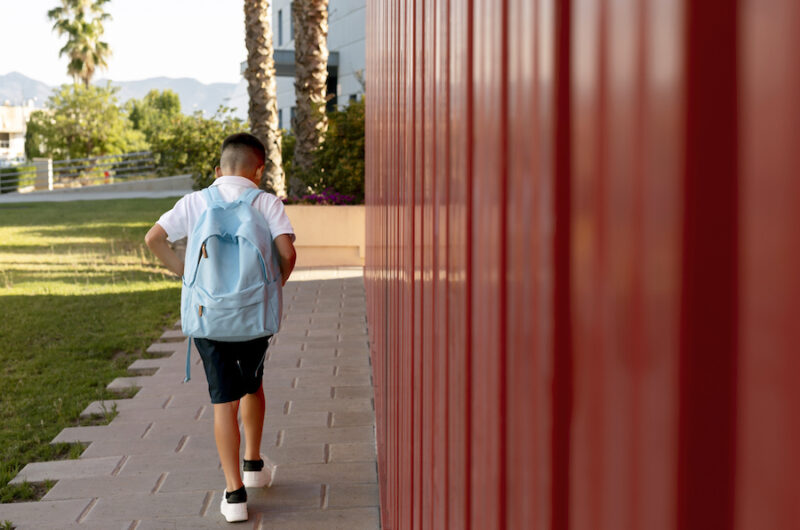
[
  {"x": 263, "y": 92},
  {"x": 191, "y": 144},
  {"x": 82, "y": 22},
  {"x": 153, "y": 114},
  {"x": 80, "y": 122},
  {"x": 339, "y": 162}
]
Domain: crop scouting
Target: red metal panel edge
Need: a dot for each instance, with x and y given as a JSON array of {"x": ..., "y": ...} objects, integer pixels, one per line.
[
  {"x": 527, "y": 502},
  {"x": 707, "y": 434},
  {"x": 488, "y": 255},
  {"x": 768, "y": 463},
  {"x": 562, "y": 329},
  {"x": 459, "y": 267},
  {"x": 440, "y": 268}
]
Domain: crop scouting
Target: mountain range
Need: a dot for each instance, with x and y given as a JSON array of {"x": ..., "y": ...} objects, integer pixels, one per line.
[{"x": 17, "y": 88}]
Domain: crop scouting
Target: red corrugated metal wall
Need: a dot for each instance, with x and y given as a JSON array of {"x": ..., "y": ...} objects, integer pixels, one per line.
[{"x": 583, "y": 264}]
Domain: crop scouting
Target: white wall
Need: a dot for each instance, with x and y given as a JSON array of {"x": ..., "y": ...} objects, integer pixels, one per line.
[
  {"x": 346, "y": 35},
  {"x": 17, "y": 145}
]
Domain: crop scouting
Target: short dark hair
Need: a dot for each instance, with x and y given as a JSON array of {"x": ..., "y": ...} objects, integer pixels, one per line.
[{"x": 247, "y": 140}]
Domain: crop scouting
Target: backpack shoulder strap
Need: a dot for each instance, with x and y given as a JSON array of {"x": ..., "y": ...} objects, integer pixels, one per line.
[
  {"x": 211, "y": 195},
  {"x": 249, "y": 195}
]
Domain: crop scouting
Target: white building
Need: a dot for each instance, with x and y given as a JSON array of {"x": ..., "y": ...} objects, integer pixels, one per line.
[
  {"x": 346, "y": 62},
  {"x": 13, "y": 124}
]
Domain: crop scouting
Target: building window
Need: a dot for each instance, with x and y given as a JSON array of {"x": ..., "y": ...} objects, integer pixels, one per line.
[
  {"x": 291, "y": 21},
  {"x": 5, "y": 140},
  {"x": 280, "y": 27},
  {"x": 280, "y": 118},
  {"x": 293, "y": 113},
  {"x": 353, "y": 97}
]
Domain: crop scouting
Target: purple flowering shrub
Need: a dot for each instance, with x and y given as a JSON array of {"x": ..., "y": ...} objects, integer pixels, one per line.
[{"x": 328, "y": 196}]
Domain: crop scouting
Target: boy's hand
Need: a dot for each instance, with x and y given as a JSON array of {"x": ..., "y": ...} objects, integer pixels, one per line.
[
  {"x": 286, "y": 255},
  {"x": 156, "y": 240}
]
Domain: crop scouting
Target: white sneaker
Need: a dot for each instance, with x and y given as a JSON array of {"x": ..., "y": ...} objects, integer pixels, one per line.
[
  {"x": 261, "y": 478},
  {"x": 235, "y": 509}
]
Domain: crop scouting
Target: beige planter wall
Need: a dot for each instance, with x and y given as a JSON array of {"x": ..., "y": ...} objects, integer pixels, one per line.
[{"x": 328, "y": 235}]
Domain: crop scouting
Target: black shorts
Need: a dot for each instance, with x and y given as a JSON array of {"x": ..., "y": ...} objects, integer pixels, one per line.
[{"x": 233, "y": 369}]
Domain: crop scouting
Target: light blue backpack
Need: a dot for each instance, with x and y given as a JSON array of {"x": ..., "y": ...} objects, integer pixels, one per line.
[{"x": 231, "y": 278}]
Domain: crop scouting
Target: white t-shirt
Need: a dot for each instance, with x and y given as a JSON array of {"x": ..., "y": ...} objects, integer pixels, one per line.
[{"x": 180, "y": 220}]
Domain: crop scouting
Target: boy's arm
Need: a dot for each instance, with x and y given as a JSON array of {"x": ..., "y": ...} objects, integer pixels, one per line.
[
  {"x": 286, "y": 255},
  {"x": 156, "y": 240}
]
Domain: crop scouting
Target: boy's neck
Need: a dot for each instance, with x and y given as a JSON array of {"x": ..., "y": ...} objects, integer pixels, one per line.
[{"x": 237, "y": 174}]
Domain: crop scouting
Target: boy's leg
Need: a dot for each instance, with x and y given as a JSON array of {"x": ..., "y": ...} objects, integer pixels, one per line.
[
  {"x": 226, "y": 434},
  {"x": 253, "y": 408}
]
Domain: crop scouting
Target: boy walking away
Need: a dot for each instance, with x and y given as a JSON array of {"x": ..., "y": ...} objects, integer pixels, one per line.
[{"x": 240, "y": 253}]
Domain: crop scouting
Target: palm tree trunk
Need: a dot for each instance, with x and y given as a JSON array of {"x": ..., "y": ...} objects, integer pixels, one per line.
[
  {"x": 262, "y": 89},
  {"x": 311, "y": 79}
]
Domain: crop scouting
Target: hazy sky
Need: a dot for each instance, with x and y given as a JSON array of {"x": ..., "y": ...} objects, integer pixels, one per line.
[{"x": 203, "y": 39}]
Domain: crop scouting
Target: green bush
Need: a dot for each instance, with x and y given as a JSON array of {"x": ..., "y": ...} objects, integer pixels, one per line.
[
  {"x": 10, "y": 177},
  {"x": 190, "y": 144},
  {"x": 339, "y": 163}
]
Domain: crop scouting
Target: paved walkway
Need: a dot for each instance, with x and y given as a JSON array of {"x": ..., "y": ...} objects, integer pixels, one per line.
[{"x": 155, "y": 465}]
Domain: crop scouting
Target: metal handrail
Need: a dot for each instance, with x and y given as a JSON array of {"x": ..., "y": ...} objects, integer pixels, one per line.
[
  {"x": 101, "y": 168},
  {"x": 124, "y": 155}
]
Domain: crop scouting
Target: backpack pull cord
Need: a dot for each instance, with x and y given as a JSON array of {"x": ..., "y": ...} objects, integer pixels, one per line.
[{"x": 188, "y": 362}]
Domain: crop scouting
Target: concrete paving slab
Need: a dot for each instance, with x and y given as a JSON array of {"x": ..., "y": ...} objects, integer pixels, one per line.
[
  {"x": 285, "y": 496},
  {"x": 351, "y": 419},
  {"x": 359, "y": 360},
  {"x": 144, "y": 364},
  {"x": 332, "y": 472},
  {"x": 83, "y": 488},
  {"x": 118, "y": 431},
  {"x": 136, "y": 403},
  {"x": 297, "y": 394},
  {"x": 353, "y": 495},
  {"x": 333, "y": 380},
  {"x": 300, "y": 419},
  {"x": 197, "y": 388},
  {"x": 193, "y": 479},
  {"x": 160, "y": 414},
  {"x": 332, "y": 405},
  {"x": 347, "y": 392},
  {"x": 167, "y": 462},
  {"x": 43, "y": 514},
  {"x": 306, "y": 435},
  {"x": 354, "y": 369},
  {"x": 120, "y": 508},
  {"x": 135, "y": 446},
  {"x": 294, "y": 454},
  {"x": 172, "y": 335},
  {"x": 82, "y": 467},
  {"x": 168, "y": 347},
  {"x": 183, "y": 523},
  {"x": 352, "y": 452},
  {"x": 331, "y": 519}
]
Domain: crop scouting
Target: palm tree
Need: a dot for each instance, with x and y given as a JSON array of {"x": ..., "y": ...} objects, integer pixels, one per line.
[
  {"x": 311, "y": 78},
  {"x": 263, "y": 92},
  {"x": 82, "y": 22}
]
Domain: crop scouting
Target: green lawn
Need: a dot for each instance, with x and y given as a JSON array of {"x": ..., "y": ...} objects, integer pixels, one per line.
[{"x": 80, "y": 298}]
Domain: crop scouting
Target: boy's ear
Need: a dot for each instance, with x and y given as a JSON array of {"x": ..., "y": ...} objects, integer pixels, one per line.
[
  {"x": 260, "y": 173},
  {"x": 218, "y": 171}
]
